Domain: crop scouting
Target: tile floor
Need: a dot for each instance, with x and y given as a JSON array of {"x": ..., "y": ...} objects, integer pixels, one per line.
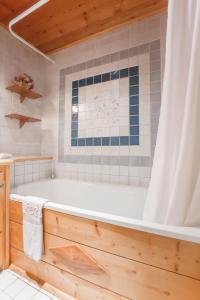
[{"x": 13, "y": 286}]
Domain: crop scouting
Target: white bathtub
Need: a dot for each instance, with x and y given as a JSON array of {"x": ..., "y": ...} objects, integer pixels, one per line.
[{"x": 119, "y": 205}]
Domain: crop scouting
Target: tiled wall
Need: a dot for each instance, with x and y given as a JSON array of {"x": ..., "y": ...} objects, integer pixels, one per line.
[
  {"x": 14, "y": 60},
  {"x": 111, "y": 110},
  {"x": 107, "y": 130},
  {"x": 29, "y": 171}
]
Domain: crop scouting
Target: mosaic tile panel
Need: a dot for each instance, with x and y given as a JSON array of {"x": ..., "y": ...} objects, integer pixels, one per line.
[{"x": 132, "y": 74}]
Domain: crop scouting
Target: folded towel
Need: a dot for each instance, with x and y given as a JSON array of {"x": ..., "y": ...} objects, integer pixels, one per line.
[
  {"x": 5, "y": 155},
  {"x": 33, "y": 226}
]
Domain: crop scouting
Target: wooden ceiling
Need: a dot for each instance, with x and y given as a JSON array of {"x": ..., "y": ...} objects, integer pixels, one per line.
[{"x": 60, "y": 23}]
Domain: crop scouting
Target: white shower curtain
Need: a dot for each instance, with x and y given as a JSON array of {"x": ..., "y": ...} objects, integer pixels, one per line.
[{"x": 174, "y": 191}]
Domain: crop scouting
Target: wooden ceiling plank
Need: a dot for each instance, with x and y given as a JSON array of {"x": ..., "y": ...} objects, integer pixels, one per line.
[
  {"x": 66, "y": 18},
  {"x": 61, "y": 23},
  {"x": 93, "y": 30},
  {"x": 45, "y": 16},
  {"x": 75, "y": 21},
  {"x": 81, "y": 19},
  {"x": 9, "y": 9},
  {"x": 95, "y": 27}
]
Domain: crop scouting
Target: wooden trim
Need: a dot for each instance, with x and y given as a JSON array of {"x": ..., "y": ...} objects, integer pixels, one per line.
[
  {"x": 57, "y": 48},
  {"x": 32, "y": 158},
  {"x": 4, "y": 162}
]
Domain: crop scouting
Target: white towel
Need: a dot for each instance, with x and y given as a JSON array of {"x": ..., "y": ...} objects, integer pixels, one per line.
[
  {"x": 33, "y": 226},
  {"x": 5, "y": 155}
]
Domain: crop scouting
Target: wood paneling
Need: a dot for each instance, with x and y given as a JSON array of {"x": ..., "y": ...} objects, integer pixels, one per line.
[
  {"x": 170, "y": 254},
  {"x": 60, "y": 23},
  {"x": 122, "y": 276},
  {"x": 70, "y": 284},
  {"x": 11, "y": 8}
]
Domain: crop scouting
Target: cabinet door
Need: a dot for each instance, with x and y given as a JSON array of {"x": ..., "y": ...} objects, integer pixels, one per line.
[
  {"x": 4, "y": 216},
  {"x": 2, "y": 195}
]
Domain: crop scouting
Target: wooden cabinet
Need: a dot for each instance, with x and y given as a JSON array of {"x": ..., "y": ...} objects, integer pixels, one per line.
[
  {"x": 1, "y": 216},
  {"x": 4, "y": 217},
  {"x": 1, "y": 198}
]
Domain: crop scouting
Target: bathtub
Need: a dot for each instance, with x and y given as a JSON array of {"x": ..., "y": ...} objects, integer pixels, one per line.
[
  {"x": 98, "y": 247},
  {"x": 115, "y": 204}
]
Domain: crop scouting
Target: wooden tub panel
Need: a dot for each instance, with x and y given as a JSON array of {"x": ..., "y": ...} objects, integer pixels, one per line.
[
  {"x": 116, "y": 273},
  {"x": 128, "y": 278},
  {"x": 170, "y": 254},
  {"x": 68, "y": 283}
]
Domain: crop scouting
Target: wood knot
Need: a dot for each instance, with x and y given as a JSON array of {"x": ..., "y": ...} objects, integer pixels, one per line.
[{"x": 97, "y": 229}]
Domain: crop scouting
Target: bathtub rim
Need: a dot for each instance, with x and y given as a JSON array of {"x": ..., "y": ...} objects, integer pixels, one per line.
[{"x": 189, "y": 234}]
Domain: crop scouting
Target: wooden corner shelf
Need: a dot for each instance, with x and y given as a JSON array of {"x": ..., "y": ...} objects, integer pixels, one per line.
[
  {"x": 23, "y": 92},
  {"x": 22, "y": 119}
]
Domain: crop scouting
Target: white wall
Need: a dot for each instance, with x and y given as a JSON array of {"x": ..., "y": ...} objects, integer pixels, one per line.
[
  {"x": 128, "y": 36},
  {"x": 14, "y": 60}
]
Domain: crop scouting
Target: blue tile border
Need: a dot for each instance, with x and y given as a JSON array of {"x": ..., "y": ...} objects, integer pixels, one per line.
[
  {"x": 153, "y": 49},
  {"x": 132, "y": 139}
]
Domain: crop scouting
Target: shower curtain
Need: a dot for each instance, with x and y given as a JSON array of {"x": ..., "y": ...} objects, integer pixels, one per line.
[{"x": 174, "y": 191}]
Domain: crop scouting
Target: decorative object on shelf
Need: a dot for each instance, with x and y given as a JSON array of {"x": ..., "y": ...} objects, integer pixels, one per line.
[
  {"x": 24, "y": 80},
  {"x": 23, "y": 86},
  {"x": 22, "y": 119}
]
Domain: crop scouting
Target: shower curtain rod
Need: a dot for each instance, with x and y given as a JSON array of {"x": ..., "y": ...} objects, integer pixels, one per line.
[{"x": 20, "y": 17}]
